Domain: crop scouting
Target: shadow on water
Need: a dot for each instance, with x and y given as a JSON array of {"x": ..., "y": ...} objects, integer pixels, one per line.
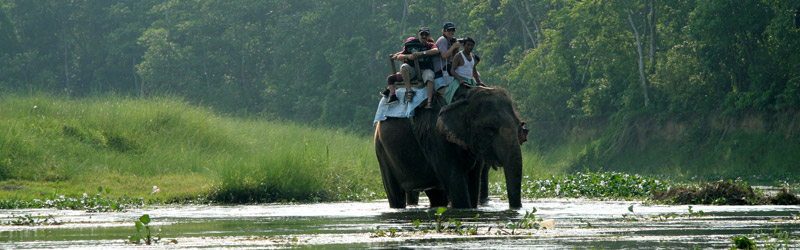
[{"x": 429, "y": 214}]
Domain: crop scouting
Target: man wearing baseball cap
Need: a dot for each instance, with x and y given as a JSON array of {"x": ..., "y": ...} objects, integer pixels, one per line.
[{"x": 420, "y": 48}]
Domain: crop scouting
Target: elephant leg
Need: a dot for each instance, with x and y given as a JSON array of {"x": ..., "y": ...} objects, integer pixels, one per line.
[
  {"x": 474, "y": 185},
  {"x": 438, "y": 198},
  {"x": 412, "y": 198},
  {"x": 484, "y": 194},
  {"x": 458, "y": 190},
  {"x": 394, "y": 192}
]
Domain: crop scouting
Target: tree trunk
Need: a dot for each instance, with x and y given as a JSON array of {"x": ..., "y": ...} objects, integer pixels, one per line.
[
  {"x": 135, "y": 77},
  {"x": 66, "y": 62},
  {"x": 403, "y": 21},
  {"x": 652, "y": 38},
  {"x": 525, "y": 25},
  {"x": 205, "y": 67},
  {"x": 641, "y": 59},
  {"x": 535, "y": 24},
  {"x": 169, "y": 48},
  {"x": 527, "y": 30}
]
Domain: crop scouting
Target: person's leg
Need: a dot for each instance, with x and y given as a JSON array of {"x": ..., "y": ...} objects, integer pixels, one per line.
[
  {"x": 407, "y": 73},
  {"x": 391, "y": 80},
  {"x": 430, "y": 94},
  {"x": 427, "y": 76}
]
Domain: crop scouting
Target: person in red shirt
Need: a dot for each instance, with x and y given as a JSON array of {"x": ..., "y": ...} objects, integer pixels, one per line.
[{"x": 423, "y": 49}]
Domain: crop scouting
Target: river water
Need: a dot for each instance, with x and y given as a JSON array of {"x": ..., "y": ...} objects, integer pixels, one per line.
[{"x": 579, "y": 224}]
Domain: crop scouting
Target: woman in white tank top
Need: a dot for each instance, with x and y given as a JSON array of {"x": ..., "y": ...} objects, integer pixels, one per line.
[{"x": 463, "y": 70}]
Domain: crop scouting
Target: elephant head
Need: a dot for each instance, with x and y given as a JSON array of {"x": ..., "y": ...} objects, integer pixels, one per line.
[{"x": 486, "y": 124}]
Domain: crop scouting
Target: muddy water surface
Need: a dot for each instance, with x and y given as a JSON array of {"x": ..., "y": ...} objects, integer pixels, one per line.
[{"x": 581, "y": 224}]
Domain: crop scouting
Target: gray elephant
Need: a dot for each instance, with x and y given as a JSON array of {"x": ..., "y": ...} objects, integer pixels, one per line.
[{"x": 444, "y": 150}]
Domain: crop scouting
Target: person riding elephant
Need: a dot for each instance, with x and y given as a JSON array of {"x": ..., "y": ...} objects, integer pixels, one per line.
[{"x": 444, "y": 150}]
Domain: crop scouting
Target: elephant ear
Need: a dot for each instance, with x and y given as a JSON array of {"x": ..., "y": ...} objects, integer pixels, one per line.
[
  {"x": 523, "y": 133},
  {"x": 454, "y": 122}
]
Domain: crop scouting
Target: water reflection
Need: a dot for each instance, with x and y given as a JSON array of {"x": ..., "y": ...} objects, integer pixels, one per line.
[{"x": 579, "y": 224}]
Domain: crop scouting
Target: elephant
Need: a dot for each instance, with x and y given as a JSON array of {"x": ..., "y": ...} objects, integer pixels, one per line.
[{"x": 444, "y": 150}]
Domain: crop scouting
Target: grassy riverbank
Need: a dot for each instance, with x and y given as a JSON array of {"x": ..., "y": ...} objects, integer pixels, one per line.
[
  {"x": 52, "y": 145},
  {"x": 56, "y": 146}
]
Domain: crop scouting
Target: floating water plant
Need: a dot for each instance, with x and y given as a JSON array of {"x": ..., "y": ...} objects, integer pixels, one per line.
[
  {"x": 588, "y": 185},
  {"x": 143, "y": 233},
  {"x": 698, "y": 213},
  {"x": 29, "y": 220},
  {"x": 742, "y": 242},
  {"x": 441, "y": 224}
]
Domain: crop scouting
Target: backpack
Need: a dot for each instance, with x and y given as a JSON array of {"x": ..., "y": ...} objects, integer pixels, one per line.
[{"x": 416, "y": 46}]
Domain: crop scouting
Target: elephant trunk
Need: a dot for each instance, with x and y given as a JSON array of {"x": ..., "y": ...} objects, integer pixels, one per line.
[{"x": 512, "y": 166}]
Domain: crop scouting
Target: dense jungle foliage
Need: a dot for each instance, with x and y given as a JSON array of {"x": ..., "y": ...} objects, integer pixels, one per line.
[{"x": 614, "y": 75}]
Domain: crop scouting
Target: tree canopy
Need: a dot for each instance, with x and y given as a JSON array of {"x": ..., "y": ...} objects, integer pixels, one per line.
[{"x": 324, "y": 62}]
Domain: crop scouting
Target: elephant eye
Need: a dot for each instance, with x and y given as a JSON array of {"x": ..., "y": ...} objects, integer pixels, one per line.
[{"x": 490, "y": 130}]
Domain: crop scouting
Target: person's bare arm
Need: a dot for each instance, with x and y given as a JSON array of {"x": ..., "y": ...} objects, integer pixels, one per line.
[
  {"x": 457, "y": 62},
  {"x": 476, "y": 76},
  {"x": 450, "y": 51}
]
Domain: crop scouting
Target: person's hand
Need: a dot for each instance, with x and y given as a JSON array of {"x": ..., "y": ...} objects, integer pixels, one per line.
[
  {"x": 481, "y": 84},
  {"x": 456, "y": 45}
]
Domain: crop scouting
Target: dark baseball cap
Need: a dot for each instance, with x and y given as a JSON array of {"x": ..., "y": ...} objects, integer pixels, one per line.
[
  {"x": 424, "y": 29},
  {"x": 449, "y": 25}
]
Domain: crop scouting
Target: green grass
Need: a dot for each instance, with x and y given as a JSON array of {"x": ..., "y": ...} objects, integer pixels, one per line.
[
  {"x": 760, "y": 158},
  {"x": 53, "y": 146}
]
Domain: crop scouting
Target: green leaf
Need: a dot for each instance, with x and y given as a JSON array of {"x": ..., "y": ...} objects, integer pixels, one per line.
[
  {"x": 441, "y": 210},
  {"x": 139, "y": 226},
  {"x": 145, "y": 219},
  {"x": 100, "y": 189},
  {"x": 630, "y": 208}
]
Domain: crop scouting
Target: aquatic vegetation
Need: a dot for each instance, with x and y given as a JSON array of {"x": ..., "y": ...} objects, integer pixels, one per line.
[
  {"x": 731, "y": 192},
  {"x": 144, "y": 234},
  {"x": 769, "y": 240},
  {"x": 440, "y": 223},
  {"x": 95, "y": 203},
  {"x": 528, "y": 221},
  {"x": 29, "y": 220},
  {"x": 698, "y": 213},
  {"x": 742, "y": 242},
  {"x": 662, "y": 217},
  {"x": 588, "y": 185},
  {"x": 90, "y": 204},
  {"x": 391, "y": 232}
]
